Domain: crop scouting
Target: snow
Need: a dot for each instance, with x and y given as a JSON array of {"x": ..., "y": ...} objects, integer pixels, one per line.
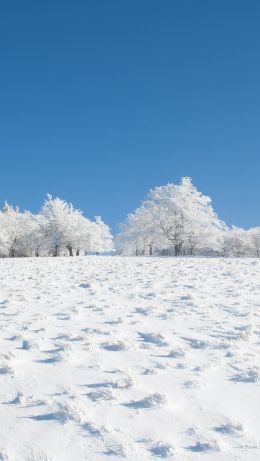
[{"x": 107, "y": 358}]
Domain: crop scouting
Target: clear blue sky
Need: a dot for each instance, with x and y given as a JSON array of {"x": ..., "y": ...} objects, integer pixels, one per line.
[{"x": 100, "y": 100}]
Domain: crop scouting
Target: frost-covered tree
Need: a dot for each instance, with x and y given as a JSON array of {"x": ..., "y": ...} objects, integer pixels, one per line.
[
  {"x": 174, "y": 217},
  {"x": 58, "y": 229},
  {"x": 240, "y": 242},
  {"x": 34, "y": 238},
  {"x": 63, "y": 227},
  {"x": 101, "y": 237},
  {"x": 186, "y": 217},
  {"x": 254, "y": 234},
  {"x": 138, "y": 234},
  {"x": 13, "y": 227}
]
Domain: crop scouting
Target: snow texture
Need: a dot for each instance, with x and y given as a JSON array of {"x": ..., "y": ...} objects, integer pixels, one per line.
[{"x": 107, "y": 358}]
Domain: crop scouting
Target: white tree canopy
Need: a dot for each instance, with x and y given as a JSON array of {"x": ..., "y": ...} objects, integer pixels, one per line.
[
  {"x": 58, "y": 229},
  {"x": 174, "y": 217}
]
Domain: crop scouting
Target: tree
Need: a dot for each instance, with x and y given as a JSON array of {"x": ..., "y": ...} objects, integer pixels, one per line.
[
  {"x": 63, "y": 227},
  {"x": 254, "y": 233},
  {"x": 34, "y": 238},
  {"x": 174, "y": 217},
  {"x": 239, "y": 242},
  {"x": 139, "y": 235},
  {"x": 14, "y": 226},
  {"x": 101, "y": 239}
]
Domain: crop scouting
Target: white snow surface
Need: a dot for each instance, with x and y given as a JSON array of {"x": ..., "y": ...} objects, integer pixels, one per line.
[{"x": 103, "y": 358}]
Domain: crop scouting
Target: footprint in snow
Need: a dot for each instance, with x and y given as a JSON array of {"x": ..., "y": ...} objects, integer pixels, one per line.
[
  {"x": 186, "y": 298},
  {"x": 15, "y": 401},
  {"x": 115, "y": 346},
  {"x": 162, "y": 450},
  {"x": 6, "y": 370},
  {"x": 125, "y": 382},
  {"x": 102, "y": 394},
  {"x": 150, "y": 371},
  {"x": 29, "y": 344},
  {"x": 62, "y": 413},
  {"x": 176, "y": 353},
  {"x": 151, "y": 401},
  {"x": 94, "y": 430},
  {"x": 235, "y": 430},
  {"x": 153, "y": 338},
  {"x": 85, "y": 285},
  {"x": 3, "y": 304},
  {"x": 203, "y": 447},
  {"x": 191, "y": 384},
  {"x": 49, "y": 360},
  {"x": 197, "y": 343},
  {"x": 143, "y": 310},
  {"x": 249, "y": 376},
  {"x": 115, "y": 450}
]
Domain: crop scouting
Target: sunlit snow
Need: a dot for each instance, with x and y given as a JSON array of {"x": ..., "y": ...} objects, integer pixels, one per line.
[{"x": 103, "y": 358}]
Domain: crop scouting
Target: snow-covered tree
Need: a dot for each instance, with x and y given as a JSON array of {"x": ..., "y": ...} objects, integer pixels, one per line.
[
  {"x": 13, "y": 227},
  {"x": 254, "y": 234},
  {"x": 175, "y": 217},
  {"x": 241, "y": 242},
  {"x": 63, "y": 227},
  {"x": 58, "y": 229},
  {"x": 138, "y": 234},
  {"x": 34, "y": 238},
  {"x": 101, "y": 237}
]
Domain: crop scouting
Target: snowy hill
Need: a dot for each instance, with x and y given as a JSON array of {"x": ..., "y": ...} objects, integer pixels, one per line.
[{"x": 107, "y": 358}]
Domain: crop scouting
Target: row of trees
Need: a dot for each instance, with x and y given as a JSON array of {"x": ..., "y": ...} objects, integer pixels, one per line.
[
  {"x": 179, "y": 220},
  {"x": 175, "y": 219},
  {"x": 58, "y": 229}
]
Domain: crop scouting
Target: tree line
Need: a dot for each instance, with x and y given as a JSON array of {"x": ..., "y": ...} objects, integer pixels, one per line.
[
  {"x": 177, "y": 219},
  {"x": 173, "y": 220},
  {"x": 58, "y": 229}
]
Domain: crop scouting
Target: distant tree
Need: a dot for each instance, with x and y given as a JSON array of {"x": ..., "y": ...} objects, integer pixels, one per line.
[
  {"x": 174, "y": 217},
  {"x": 139, "y": 234},
  {"x": 63, "y": 227},
  {"x": 254, "y": 234},
  {"x": 34, "y": 237},
  {"x": 13, "y": 226},
  {"x": 101, "y": 237},
  {"x": 238, "y": 243}
]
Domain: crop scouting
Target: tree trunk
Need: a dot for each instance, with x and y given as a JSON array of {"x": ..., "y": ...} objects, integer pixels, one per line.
[
  {"x": 150, "y": 250},
  {"x": 136, "y": 252},
  {"x": 56, "y": 250},
  {"x": 69, "y": 247},
  {"x": 177, "y": 249},
  {"x": 77, "y": 253}
]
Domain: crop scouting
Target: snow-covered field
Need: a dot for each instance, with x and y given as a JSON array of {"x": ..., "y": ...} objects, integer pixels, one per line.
[{"x": 138, "y": 358}]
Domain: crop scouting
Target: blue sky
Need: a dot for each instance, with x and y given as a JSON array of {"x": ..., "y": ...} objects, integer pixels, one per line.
[{"x": 102, "y": 100}]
